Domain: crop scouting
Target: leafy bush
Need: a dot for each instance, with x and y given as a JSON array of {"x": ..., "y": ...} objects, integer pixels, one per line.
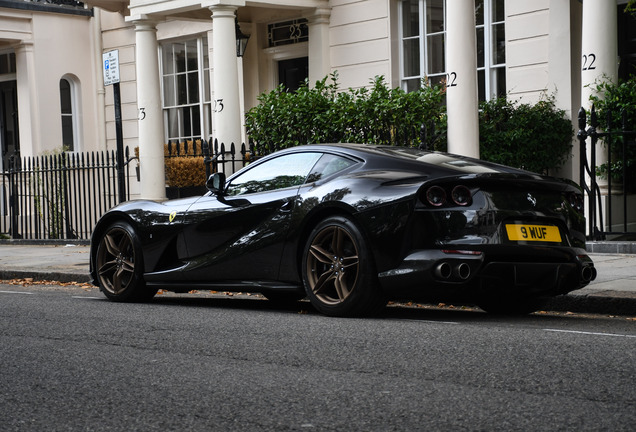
[
  {"x": 324, "y": 114},
  {"x": 615, "y": 102},
  {"x": 536, "y": 137}
]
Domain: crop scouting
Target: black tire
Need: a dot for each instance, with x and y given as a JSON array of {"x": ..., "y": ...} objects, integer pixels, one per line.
[
  {"x": 338, "y": 271},
  {"x": 119, "y": 265}
]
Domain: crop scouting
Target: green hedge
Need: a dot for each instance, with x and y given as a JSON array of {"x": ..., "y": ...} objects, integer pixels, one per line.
[
  {"x": 534, "y": 137},
  {"x": 375, "y": 115}
]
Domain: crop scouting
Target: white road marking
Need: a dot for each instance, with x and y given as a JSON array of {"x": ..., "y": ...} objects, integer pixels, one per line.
[
  {"x": 16, "y": 292},
  {"x": 590, "y": 333}
]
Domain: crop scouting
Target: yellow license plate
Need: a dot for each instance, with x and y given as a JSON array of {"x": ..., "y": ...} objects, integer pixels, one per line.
[{"x": 539, "y": 233}]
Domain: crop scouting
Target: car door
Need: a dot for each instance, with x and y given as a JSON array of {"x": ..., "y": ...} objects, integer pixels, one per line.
[{"x": 240, "y": 235}]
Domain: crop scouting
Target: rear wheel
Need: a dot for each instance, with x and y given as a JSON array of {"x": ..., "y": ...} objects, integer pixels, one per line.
[
  {"x": 119, "y": 265},
  {"x": 338, "y": 271}
]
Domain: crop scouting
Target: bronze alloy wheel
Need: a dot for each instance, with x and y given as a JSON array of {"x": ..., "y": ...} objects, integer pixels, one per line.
[
  {"x": 332, "y": 265},
  {"x": 118, "y": 263},
  {"x": 338, "y": 270}
]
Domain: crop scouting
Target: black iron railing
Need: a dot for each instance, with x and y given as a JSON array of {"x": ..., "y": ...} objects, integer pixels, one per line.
[
  {"x": 616, "y": 176},
  {"x": 57, "y": 196},
  {"x": 62, "y": 196}
]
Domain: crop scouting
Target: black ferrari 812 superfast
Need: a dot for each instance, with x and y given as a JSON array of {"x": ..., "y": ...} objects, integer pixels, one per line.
[{"x": 352, "y": 226}]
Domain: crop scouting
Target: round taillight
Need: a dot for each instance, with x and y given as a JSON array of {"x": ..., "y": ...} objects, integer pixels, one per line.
[
  {"x": 461, "y": 195},
  {"x": 436, "y": 196}
]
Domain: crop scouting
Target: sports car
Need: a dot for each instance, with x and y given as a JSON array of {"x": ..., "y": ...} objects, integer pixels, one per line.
[{"x": 352, "y": 226}]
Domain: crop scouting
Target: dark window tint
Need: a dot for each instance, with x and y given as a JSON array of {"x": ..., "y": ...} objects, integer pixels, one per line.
[
  {"x": 281, "y": 172},
  {"x": 328, "y": 165}
]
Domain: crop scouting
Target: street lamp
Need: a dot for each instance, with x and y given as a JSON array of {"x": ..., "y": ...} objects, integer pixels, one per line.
[{"x": 241, "y": 40}]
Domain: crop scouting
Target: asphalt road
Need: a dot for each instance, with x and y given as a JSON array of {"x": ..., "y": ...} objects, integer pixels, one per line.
[{"x": 71, "y": 360}]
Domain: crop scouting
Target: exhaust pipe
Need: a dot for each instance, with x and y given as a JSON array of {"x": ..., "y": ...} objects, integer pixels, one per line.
[
  {"x": 588, "y": 273},
  {"x": 462, "y": 271},
  {"x": 443, "y": 270}
]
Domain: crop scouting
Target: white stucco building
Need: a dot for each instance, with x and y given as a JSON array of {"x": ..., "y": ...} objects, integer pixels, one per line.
[{"x": 181, "y": 77}]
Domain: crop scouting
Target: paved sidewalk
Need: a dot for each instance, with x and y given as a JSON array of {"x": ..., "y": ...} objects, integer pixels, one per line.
[{"x": 613, "y": 291}]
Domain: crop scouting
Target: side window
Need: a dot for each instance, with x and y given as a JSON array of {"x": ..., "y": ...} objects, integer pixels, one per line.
[
  {"x": 328, "y": 165},
  {"x": 68, "y": 116},
  {"x": 279, "y": 173}
]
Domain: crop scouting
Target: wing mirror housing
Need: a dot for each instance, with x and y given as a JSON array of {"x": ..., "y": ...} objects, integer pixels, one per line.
[{"x": 216, "y": 183}]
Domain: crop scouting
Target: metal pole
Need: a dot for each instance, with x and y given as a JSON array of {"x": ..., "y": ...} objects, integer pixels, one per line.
[{"x": 121, "y": 177}]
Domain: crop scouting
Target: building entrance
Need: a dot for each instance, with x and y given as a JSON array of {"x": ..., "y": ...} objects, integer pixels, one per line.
[
  {"x": 9, "y": 136},
  {"x": 293, "y": 72}
]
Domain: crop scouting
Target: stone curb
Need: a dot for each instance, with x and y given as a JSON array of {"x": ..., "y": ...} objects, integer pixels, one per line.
[{"x": 597, "y": 304}]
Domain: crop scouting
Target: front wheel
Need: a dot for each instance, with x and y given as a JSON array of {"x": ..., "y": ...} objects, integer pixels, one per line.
[
  {"x": 119, "y": 265},
  {"x": 338, "y": 270}
]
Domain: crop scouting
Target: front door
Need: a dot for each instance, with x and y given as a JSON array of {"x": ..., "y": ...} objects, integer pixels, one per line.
[
  {"x": 9, "y": 137},
  {"x": 292, "y": 73}
]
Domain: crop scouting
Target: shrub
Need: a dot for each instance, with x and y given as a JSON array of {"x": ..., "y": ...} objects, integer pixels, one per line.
[
  {"x": 183, "y": 168},
  {"x": 536, "y": 137},
  {"x": 616, "y": 104},
  {"x": 324, "y": 114}
]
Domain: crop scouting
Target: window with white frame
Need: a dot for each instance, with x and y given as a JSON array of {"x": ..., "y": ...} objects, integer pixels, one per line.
[
  {"x": 68, "y": 114},
  {"x": 422, "y": 33},
  {"x": 186, "y": 90}
]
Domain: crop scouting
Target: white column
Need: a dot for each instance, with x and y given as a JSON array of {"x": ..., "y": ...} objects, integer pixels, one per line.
[
  {"x": 151, "y": 137},
  {"x": 599, "y": 46},
  {"x": 227, "y": 111},
  {"x": 28, "y": 112},
  {"x": 461, "y": 70},
  {"x": 319, "y": 61},
  {"x": 599, "y": 58}
]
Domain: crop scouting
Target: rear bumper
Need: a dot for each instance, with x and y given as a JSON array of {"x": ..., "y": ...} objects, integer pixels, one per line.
[{"x": 526, "y": 270}]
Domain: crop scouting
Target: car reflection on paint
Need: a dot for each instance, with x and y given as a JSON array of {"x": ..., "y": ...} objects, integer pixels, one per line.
[{"x": 351, "y": 226}]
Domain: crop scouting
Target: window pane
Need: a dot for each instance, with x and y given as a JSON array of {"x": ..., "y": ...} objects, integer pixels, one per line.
[
  {"x": 434, "y": 16},
  {"x": 438, "y": 79},
  {"x": 206, "y": 85},
  {"x": 411, "y": 57},
  {"x": 65, "y": 97},
  {"x": 498, "y": 10},
  {"x": 412, "y": 84},
  {"x": 67, "y": 132},
  {"x": 169, "y": 98},
  {"x": 499, "y": 43},
  {"x": 182, "y": 90},
  {"x": 167, "y": 59},
  {"x": 410, "y": 18},
  {"x": 282, "y": 172},
  {"x": 480, "y": 47},
  {"x": 179, "y": 57},
  {"x": 173, "y": 123},
  {"x": 195, "y": 114},
  {"x": 193, "y": 87},
  {"x": 192, "y": 57},
  {"x": 481, "y": 85},
  {"x": 436, "y": 54},
  {"x": 500, "y": 84},
  {"x": 479, "y": 12}
]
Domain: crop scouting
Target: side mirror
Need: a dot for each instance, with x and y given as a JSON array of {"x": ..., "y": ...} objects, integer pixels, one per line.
[{"x": 216, "y": 183}]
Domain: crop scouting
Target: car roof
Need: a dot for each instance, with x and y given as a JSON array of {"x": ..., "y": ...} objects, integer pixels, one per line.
[{"x": 413, "y": 157}]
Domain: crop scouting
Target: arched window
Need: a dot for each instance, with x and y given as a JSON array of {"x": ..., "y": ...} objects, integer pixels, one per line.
[{"x": 68, "y": 115}]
